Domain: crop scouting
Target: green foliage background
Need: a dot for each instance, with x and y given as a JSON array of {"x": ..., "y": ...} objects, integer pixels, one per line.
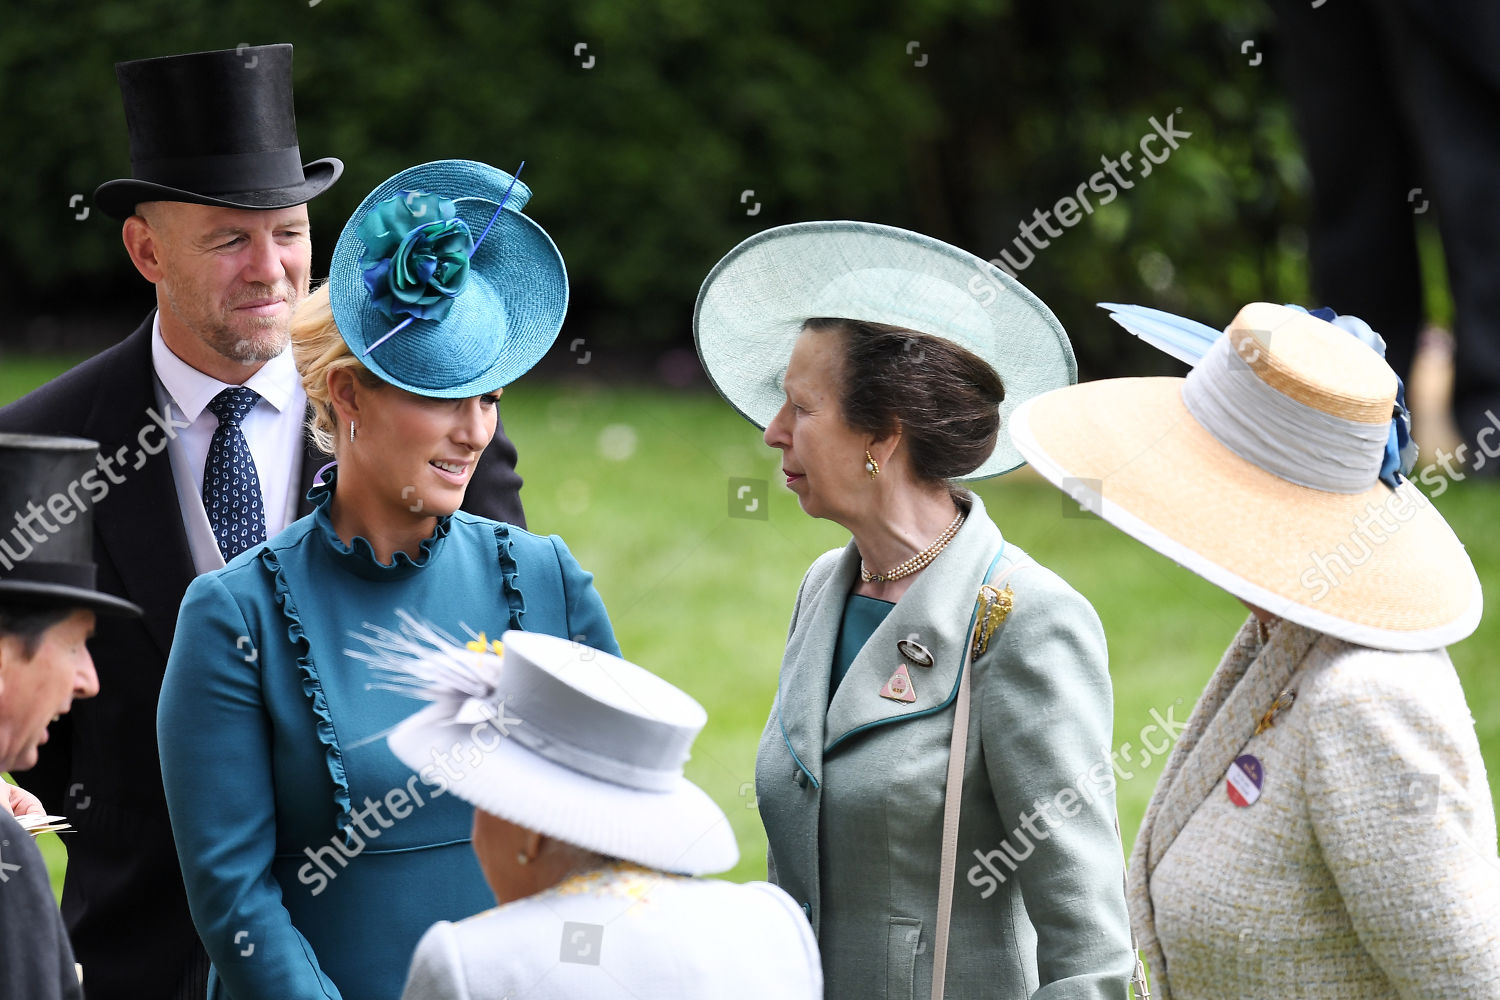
[{"x": 639, "y": 162}]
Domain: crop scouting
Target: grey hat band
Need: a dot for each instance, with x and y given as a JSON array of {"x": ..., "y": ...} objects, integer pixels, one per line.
[
  {"x": 1281, "y": 435},
  {"x": 225, "y": 173},
  {"x": 592, "y": 738}
]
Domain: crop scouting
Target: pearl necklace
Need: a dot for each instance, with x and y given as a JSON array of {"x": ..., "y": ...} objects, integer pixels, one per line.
[{"x": 916, "y": 562}]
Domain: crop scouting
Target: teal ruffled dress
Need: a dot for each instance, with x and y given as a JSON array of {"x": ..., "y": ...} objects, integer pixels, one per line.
[{"x": 313, "y": 859}]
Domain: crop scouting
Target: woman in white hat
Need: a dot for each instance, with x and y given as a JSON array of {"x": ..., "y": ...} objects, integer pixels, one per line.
[
  {"x": 312, "y": 858},
  {"x": 882, "y": 364},
  {"x": 588, "y": 833},
  {"x": 1323, "y": 827}
]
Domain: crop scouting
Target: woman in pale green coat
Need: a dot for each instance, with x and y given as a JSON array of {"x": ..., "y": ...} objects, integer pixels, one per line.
[{"x": 811, "y": 331}]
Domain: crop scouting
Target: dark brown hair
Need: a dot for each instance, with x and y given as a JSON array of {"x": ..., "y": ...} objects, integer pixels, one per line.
[
  {"x": 29, "y": 623},
  {"x": 943, "y": 399}
]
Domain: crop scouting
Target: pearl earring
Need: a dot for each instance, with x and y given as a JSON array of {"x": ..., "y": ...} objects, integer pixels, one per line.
[{"x": 871, "y": 466}]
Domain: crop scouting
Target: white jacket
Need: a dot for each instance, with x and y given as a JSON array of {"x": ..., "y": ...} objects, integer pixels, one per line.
[{"x": 628, "y": 933}]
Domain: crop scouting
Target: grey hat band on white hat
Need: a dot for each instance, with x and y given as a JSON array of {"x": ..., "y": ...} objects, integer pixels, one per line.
[
  {"x": 1277, "y": 433},
  {"x": 599, "y": 741},
  {"x": 600, "y": 731},
  {"x": 571, "y": 742}
]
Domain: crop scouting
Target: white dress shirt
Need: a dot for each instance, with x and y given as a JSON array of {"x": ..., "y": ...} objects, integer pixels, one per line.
[{"x": 274, "y": 429}]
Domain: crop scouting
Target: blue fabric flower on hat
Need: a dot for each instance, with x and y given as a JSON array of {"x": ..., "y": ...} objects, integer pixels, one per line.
[
  {"x": 416, "y": 256},
  {"x": 1400, "y": 449}
]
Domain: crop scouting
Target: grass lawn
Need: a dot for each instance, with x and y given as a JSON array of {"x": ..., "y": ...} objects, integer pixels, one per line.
[{"x": 637, "y": 481}]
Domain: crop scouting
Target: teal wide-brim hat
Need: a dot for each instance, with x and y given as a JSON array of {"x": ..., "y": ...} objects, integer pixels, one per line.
[
  {"x": 475, "y": 298},
  {"x": 754, "y": 302}
]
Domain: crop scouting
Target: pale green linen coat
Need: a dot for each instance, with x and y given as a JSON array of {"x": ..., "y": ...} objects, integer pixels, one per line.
[{"x": 852, "y": 793}]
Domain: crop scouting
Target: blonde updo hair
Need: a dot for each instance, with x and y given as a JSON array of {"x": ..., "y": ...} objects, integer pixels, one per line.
[{"x": 318, "y": 348}]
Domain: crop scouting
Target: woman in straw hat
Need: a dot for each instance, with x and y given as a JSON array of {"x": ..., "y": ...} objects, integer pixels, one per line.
[
  {"x": 587, "y": 832},
  {"x": 1323, "y": 827},
  {"x": 314, "y": 859},
  {"x": 882, "y": 363}
]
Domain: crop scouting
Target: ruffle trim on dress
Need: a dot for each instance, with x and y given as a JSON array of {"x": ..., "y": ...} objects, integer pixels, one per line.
[
  {"x": 510, "y": 574},
  {"x": 313, "y": 688},
  {"x": 360, "y": 553}
]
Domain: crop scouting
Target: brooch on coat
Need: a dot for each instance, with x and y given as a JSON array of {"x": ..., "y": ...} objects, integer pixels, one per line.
[
  {"x": 994, "y": 608},
  {"x": 900, "y": 687}
]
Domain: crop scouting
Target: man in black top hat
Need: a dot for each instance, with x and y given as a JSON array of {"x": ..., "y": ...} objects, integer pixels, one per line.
[
  {"x": 200, "y": 417},
  {"x": 47, "y": 608}
]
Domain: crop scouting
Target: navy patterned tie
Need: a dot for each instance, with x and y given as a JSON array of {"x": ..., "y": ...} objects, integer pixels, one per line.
[{"x": 231, "y": 489}]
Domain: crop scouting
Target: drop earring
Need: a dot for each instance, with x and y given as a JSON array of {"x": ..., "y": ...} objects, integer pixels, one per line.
[
  {"x": 351, "y": 432},
  {"x": 871, "y": 466}
]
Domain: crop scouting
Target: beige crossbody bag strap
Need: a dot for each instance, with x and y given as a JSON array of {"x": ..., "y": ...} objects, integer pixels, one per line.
[{"x": 953, "y": 794}]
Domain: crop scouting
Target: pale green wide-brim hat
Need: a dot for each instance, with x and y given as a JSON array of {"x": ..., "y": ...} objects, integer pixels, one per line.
[
  {"x": 754, "y": 302},
  {"x": 487, "y": 315}
]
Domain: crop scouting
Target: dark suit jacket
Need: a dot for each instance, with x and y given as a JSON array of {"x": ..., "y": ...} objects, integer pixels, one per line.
[
  {"x": 38, "y": 964},
  {"x": 123, "y": 899}
]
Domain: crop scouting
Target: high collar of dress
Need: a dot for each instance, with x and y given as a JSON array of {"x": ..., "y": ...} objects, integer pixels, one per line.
[{"x": 358, "y": 557}]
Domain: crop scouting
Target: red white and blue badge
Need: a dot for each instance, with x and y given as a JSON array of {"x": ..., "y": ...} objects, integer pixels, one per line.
[{"x": 1244, "y": 779}]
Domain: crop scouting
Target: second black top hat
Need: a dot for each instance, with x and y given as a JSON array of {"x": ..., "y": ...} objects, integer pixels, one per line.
[
  {"x": 50, "y": 563},
  {"x": 214, "y": 128}
]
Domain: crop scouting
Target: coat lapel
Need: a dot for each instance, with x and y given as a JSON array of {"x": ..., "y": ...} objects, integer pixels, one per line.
[
  {"x": 802, "y": 699},
  {"x": 924, "y": 614},
  {"x": 138, "y": 523},
  {"x": 1238, "y": 695}
]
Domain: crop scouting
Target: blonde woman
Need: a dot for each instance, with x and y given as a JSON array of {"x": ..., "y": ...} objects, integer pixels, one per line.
[{"x": 313, "y": 858}]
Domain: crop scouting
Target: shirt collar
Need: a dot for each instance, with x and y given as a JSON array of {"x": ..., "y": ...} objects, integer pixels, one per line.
[{"x": 276, "y": 382}]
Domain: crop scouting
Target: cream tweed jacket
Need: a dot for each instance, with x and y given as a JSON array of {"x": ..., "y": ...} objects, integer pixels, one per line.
[{"x": 1367, "y": 867}]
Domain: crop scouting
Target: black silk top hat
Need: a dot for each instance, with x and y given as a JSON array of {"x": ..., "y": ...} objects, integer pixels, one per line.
[
  {"x": 214, "y": 128},
  {"x": 48, "y": 489}
]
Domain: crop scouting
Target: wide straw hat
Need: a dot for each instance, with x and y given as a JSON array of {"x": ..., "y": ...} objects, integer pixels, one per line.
[
  {"x": 438, "y": 291},
  {"x": 573, "y": 743},
  {"x": 753, "y": 303},
  {"x": 1260, "y": 473}
]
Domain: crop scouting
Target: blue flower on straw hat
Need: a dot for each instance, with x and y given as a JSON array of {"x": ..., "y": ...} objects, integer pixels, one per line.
[
  {"x": 441, "y": 284},
  {"x": 1400, "y": 449},
  {"x": 416, "y": 255}
]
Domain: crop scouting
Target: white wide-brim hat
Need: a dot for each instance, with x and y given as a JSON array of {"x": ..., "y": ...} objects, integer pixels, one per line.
[
  {"x": 575, "y": 744},
  {"x": 1260, "y": 473},
  {"x": 754, "y": 302}
]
